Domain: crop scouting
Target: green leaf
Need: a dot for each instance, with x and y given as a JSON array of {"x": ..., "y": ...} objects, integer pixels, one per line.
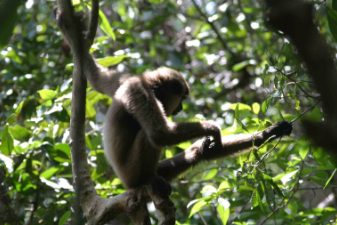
[
  {"x": 238, "y": 107},
  {"x": 211, "y": 174},
  {"x": 197, "y": 207},
  {"x": 303, "y": 152},
  {"x": 65, "y": 148},
  {"x": 276, "y": 187},
  {"x": 8, "y": 17},
  {"x": 90, "y": 110},
  {"x": 110, "y": 60},
  {"x": 239, "y": 66},
  {"x": 285, "y": 177},
  {"x": 47, "y": 94},
  {"x": 256, "y": 199},
  {"x": 223, "y": 210},
  {"x": 334, "y": 4},
  {"x": 256, "y": 108},
  {"x": 19, "y": 133},
  {"x": 330, "y": 178},
  {"x": 332, "y": 21},
  {"x": 64, "y": 218},
  {"x": 265, "y": 105},
  {"x": 49, "y": 172},
  {"x": 224, "y": 185},
  {"x": 7, "y": 142},
  {"x": 105, "y": 25}
]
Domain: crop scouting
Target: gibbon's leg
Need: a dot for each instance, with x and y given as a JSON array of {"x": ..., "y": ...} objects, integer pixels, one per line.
[
  {"x": 159, "y": 191},
  {"x": 137, "y": 208},
  {"x": 139, "y": 172}
]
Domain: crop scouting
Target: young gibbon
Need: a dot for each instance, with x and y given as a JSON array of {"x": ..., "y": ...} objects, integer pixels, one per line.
[{"x": 136, "y": 127}]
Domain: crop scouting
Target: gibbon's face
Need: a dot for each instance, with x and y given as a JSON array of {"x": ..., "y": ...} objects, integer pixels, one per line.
[
  {"x": 174, "y": 105},
  {"x": 176, "y": 98}
]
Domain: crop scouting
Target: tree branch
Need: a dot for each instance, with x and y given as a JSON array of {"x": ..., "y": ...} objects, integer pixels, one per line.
[
  {"x": 295, "y": 19},
  {"x": 171, "y": 168}
]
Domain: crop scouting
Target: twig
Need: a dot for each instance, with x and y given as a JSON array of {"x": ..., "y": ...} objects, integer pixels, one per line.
[
  {"x": 305, "y": 112},
  {"x": 286, "y": 201},
  {"x": 93, "y": 23},
  {"x": 296, "y": 83},
  {"x": 214, "y": 28}
]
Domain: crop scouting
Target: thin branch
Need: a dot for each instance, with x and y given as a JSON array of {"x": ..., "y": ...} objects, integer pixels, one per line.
[
  {"x": 295, "y": 19},
  {"x": 286, "y": 201},
  {"x": 214, "y": 28},
  {"x": 93, "y": 23},
  {"x": 171, "y": 168},
  {"x": 296, "y": 83}
]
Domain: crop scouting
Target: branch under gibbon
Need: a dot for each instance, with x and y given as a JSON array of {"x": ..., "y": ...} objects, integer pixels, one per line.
[{"x": 171, "y": 168}]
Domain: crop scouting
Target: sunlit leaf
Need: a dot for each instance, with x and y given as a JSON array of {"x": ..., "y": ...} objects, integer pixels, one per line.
[
  {"x": 197, "y": 207},
  {"x": 211, "y": 174},
  {"x": 19, "y": 133},
  {"x": 240, "y": 107},
  {"x": 105, "y": 25},
  {"x": 303, "y": 152},
  {"x": 7, "y": 142},
  {"x": 239, "y": 66},
  {"x": 223, "y": 210},
  {"x": 285, "y": 177},
  {"x": 111, "y": 60},
  {"x": 256, "y": 108},
  {"x": 49, "y": 172},
  {"x": 47, "y": 94}
]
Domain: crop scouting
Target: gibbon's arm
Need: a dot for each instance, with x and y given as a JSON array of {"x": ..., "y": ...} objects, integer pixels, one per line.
[
  {"x": 140, "y": 101},
  {"x": 171, "y": 168},
  {"x": 103, "y": 80}
]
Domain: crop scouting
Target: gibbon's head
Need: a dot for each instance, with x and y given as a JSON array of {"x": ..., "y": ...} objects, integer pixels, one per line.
[{"x": 169, "y": 87}]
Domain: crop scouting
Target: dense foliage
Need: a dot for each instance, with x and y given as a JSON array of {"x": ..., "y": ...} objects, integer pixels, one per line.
[{"x": 242, "y": 75}]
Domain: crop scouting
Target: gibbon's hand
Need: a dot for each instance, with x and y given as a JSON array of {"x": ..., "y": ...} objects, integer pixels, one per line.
[
  {"x": 214, "y": 131},
  {"x": 279, "y": 129},
  {"x": 209, "y": 147}
]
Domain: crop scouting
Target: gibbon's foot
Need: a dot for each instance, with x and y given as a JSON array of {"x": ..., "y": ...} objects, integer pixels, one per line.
[
  {"x": 135, "y": 199},
  {"x": 161, "y": 187},
  {"x": 136, "y": 207},
  {"x": 166, "y": 211},
  {"x": 159, "y": 192}
]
